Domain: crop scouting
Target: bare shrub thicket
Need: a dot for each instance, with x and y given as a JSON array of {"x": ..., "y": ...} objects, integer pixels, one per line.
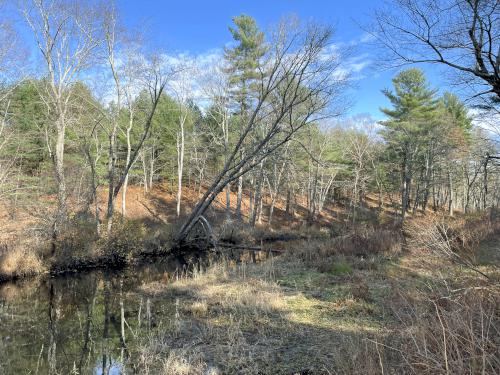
[
  {"x": 20, "y": 262},
  {"x": 360, "y": 242},
  {"x": 448, "y": 331},
  {"x": 455, "y": 239}
]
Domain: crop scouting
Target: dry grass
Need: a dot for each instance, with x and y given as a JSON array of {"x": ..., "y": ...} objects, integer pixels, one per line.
[
  {"x": 453, "y": 240},
  {"x": 458, "y": 234},
  {"x": 18, "y": 263},
  {"x": 352, "y": 304},
  {"x": 363, "y": 242},
  {"x": 267, "y": 318},
  {"x": 328, "y": 307}
]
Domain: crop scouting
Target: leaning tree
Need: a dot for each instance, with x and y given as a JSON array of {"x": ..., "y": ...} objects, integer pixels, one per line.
[{"x": 298, "y": 82}]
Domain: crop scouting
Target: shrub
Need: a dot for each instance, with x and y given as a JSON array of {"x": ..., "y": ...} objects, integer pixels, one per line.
[
  {"x": 158, "y": 238},
  {"x": 449, "y": 332},
  {"x": 77, "y": 238},
  {"x": 364, "y": 243},
  {"x": 125, "y": 240},
  {"x": 341, "y": 268},
  {"x": 455, "y": 239}
]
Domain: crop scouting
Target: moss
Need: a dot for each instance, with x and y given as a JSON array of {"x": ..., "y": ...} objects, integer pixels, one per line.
[{"x": 341, "y": 268}]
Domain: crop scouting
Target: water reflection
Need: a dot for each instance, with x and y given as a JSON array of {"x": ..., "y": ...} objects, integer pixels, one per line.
[{"x": 83, "y": 324}]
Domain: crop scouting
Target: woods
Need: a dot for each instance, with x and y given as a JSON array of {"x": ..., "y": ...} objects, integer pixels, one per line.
[
  {"x": 241, "y": 184},
  {"x": 264, "y": 114}
]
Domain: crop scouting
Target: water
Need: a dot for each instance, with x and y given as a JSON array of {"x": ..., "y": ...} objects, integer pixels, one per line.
[{"x": 89, "y": 323}]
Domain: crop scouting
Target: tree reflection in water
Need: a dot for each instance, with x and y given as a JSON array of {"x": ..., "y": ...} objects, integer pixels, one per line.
[{"x": 81, "y": 324}]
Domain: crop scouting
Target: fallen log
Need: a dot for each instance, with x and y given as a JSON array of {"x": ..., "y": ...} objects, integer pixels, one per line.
[{"x": 245, "y": 247}]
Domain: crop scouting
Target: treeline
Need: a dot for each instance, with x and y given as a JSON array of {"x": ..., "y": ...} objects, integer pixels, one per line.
[{"x": 106, "y": 113}]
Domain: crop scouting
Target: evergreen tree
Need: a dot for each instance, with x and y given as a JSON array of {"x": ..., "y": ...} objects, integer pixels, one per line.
[
  {"x": 243, "y": 61},
  {"x": 410, "y": 119}
]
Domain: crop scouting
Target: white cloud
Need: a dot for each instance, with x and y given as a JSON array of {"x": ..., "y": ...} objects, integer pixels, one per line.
[
  {"x": 192, "y": 71},
  {"x": 486, "y": 120}
]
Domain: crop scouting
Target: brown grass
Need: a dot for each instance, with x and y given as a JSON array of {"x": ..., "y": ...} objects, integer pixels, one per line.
[
  {"x": 20, "y": 263},
  {"x": 447, "y": 331},
  {"x": 355, "y": 305}
]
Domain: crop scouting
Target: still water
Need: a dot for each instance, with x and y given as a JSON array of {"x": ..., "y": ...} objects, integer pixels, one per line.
[{"x": 88, "y": 323}]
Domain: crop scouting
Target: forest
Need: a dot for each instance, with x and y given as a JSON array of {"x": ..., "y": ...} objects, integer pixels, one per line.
[{"x": 167, "y": 214}]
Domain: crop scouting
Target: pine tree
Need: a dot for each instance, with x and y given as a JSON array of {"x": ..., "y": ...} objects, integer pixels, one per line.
[
  {"x": 243, "y": 62},
  {"x": 410, "y": 119},
  {"x": 244, "y": 59}
]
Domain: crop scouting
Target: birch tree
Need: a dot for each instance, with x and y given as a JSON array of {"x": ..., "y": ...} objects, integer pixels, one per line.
[
  {"x": 67, "y": 34},
  {"x": 151, "y": 79},
  {"x": 182, "y": 92}
]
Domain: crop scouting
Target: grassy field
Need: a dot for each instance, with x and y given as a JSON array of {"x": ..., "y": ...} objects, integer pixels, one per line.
[{"x": 318, "y": 310}]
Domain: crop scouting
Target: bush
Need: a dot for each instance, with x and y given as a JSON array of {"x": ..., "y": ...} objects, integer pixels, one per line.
[
  {"x": 125, "y": 240},
  {"x": 449, "y": 332},
  {"x": 364, "y": 243},
  {"x": 79, "y": 246},
  {"x": 455, "y": 239},
  {"x": 77, "y": 238}
]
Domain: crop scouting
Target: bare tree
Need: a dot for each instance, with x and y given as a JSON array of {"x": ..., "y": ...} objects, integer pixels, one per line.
[
  {"x": 360, "y": 151},
  {"x": 279, "y": 163},
  {"x": 8, "y": 41},
  {"x": 67, "y": 34},
  {"x": 463, "y": 35},
  {"x": 217, "y": 88},
  {"x": 7, "y": 162},
  {"x": 153, "y": 78},
  {"x": 296, "y": 85},
  {"x": 182, "y": 92},
  {"x": 131, "y": 72},
  {"x": 11, "y": 52}
]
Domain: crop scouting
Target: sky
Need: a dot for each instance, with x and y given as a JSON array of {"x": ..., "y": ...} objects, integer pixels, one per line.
[{"x": 200, "y": 28}]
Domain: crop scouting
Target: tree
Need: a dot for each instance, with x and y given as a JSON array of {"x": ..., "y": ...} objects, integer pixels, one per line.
[
  {"x": 182, "y": 91},
  {"x": 6, "y": 162},
  {"x": 296, "y": 87},
  {"x": 11, "y": 53},
  {"x": 151, "y": 78},
  {"x": 244, "y": 63},
  {"x": 459, "y": 34},
  {"x": 414, "y": 105},
  {"x": 360, "y": 151},
  {"x": 67, "y": 34},
  {"x": 217, "y": 88}
]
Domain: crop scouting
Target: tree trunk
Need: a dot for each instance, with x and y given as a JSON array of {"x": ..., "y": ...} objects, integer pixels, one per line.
[
  {"x": 239, "y": 196},
  {"x": 111, "y": 176},
  {"x": 258, "y": 195},
  {"x": 485, "y": 183},
  {"x": 125, "y": 183},
  {"x": 180, "y": 165},
  {"x": 60, "y": 177},
  {"x": 450, "y": 188}
]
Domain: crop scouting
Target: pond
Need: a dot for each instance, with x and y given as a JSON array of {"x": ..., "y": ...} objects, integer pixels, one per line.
[{"x": 88, "y": 323}]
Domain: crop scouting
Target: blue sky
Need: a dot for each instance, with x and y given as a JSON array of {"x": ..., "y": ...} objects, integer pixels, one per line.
[{"x": 198, "y": 27}]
